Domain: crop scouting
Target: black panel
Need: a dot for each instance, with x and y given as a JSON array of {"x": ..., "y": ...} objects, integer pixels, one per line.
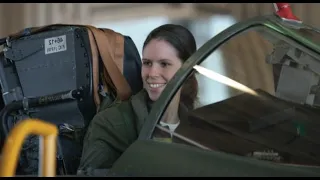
[{"x": 151, "y": 158}]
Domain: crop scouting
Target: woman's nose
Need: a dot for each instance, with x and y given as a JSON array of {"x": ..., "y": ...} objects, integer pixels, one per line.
[{"x": 154, "y": 71}]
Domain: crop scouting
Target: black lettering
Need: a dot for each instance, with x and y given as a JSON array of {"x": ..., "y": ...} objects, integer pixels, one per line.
[
  {"x": 52, "y": 49},
  {"x": 55, "y": 41},
  {"x": 61, "y": 47}
]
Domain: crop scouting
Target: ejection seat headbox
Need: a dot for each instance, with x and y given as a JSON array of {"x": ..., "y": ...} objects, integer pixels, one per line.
[
  {"x": 59, "y": 59},
  {"x": 60, "y": 74}
]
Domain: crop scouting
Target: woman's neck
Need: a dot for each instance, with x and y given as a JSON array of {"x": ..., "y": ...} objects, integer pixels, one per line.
[{"x": 171, "y": 114}]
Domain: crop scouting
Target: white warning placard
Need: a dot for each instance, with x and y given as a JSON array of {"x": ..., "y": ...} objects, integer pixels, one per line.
[{"x": 55, "y": 44}]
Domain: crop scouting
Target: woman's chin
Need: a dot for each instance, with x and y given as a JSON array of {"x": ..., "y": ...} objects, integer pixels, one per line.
[
  {"x": 154, "y": 96},
  {"x": 155, "y": 93}
]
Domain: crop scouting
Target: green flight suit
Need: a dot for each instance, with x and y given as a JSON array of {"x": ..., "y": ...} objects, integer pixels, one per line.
[{"x": 112, "y": 131}]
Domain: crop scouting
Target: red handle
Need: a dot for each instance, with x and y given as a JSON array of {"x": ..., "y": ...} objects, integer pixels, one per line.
[{"x": 284, "y": 11}]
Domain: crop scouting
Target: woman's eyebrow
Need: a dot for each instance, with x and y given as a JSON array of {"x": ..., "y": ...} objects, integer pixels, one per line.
[
  {"x": 159, "y": 60},
  {"x": 145, "y": 59},
  {"x": 164, "y": 60}
]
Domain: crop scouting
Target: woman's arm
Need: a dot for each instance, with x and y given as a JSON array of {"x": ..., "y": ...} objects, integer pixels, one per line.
[{"x": 106, "y": 139}]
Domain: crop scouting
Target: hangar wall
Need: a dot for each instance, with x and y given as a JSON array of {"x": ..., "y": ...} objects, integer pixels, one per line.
[{"x": 36, "y": 14}]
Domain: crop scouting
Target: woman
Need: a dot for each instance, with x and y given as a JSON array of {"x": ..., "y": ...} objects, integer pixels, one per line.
[{"x": 113, "y": 130}]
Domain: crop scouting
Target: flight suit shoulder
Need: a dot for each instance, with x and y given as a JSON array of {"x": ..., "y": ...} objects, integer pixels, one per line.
[
  {"x": 121, "y": 114},
  {"x": 117, "y": 122}
]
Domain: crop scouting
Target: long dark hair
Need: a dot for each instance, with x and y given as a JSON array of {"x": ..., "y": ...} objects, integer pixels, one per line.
[{"x": 184, "y": 43}]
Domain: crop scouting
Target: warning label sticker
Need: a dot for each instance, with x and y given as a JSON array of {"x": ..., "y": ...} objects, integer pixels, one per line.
[{"x": 55, "y": 44}]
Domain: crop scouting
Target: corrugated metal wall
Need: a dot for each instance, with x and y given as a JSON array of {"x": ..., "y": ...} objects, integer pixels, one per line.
[
  {"x": 14, "y": 17},
  {"x": 64, "y": 11}
]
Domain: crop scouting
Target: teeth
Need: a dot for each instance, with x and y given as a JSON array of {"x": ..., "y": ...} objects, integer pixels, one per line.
[{"x": 155, "y": 85}]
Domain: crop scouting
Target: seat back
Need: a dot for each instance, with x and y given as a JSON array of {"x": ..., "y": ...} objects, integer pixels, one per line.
[{"x": 44, "y": 68}]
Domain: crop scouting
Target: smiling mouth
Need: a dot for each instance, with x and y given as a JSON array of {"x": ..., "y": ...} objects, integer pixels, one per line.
[{"x": 156, "y": 85}]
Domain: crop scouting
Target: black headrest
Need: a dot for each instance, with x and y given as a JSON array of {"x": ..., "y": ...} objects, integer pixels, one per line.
[{"x": 132, "y": 65}]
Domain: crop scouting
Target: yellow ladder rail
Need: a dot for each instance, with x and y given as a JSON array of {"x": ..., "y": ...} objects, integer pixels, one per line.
[{"x": 11, "y": 151}]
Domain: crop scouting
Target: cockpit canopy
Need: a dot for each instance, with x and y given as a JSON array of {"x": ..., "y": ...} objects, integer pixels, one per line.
[{"x": 257, "y": 91}]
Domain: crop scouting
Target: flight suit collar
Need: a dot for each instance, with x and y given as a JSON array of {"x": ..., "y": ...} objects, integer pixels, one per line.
[
  {"x": 139, "y": 104},
  {"x": 142, "y": 105}
]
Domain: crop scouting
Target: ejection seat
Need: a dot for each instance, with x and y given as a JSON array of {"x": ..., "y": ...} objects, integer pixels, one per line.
[{"x": 56, "y": 64}]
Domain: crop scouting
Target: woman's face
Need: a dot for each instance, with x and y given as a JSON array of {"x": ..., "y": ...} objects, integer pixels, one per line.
[{"x": 160, "y": 63}]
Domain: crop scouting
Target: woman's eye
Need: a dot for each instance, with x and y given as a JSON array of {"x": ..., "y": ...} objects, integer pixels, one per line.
[
  {"x": 163, "y": 64},
  {"x": 146, "y": 63}
]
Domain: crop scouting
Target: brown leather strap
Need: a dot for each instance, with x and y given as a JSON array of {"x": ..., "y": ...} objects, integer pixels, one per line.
[
  {"x": 95, "y": 69},
  {"x": 108, "y": 45},
  {"x": 118, "y": 47}
]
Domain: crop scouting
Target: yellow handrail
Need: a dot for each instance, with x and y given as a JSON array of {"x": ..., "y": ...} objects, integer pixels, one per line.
[{"x": 47, "y": 151}]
